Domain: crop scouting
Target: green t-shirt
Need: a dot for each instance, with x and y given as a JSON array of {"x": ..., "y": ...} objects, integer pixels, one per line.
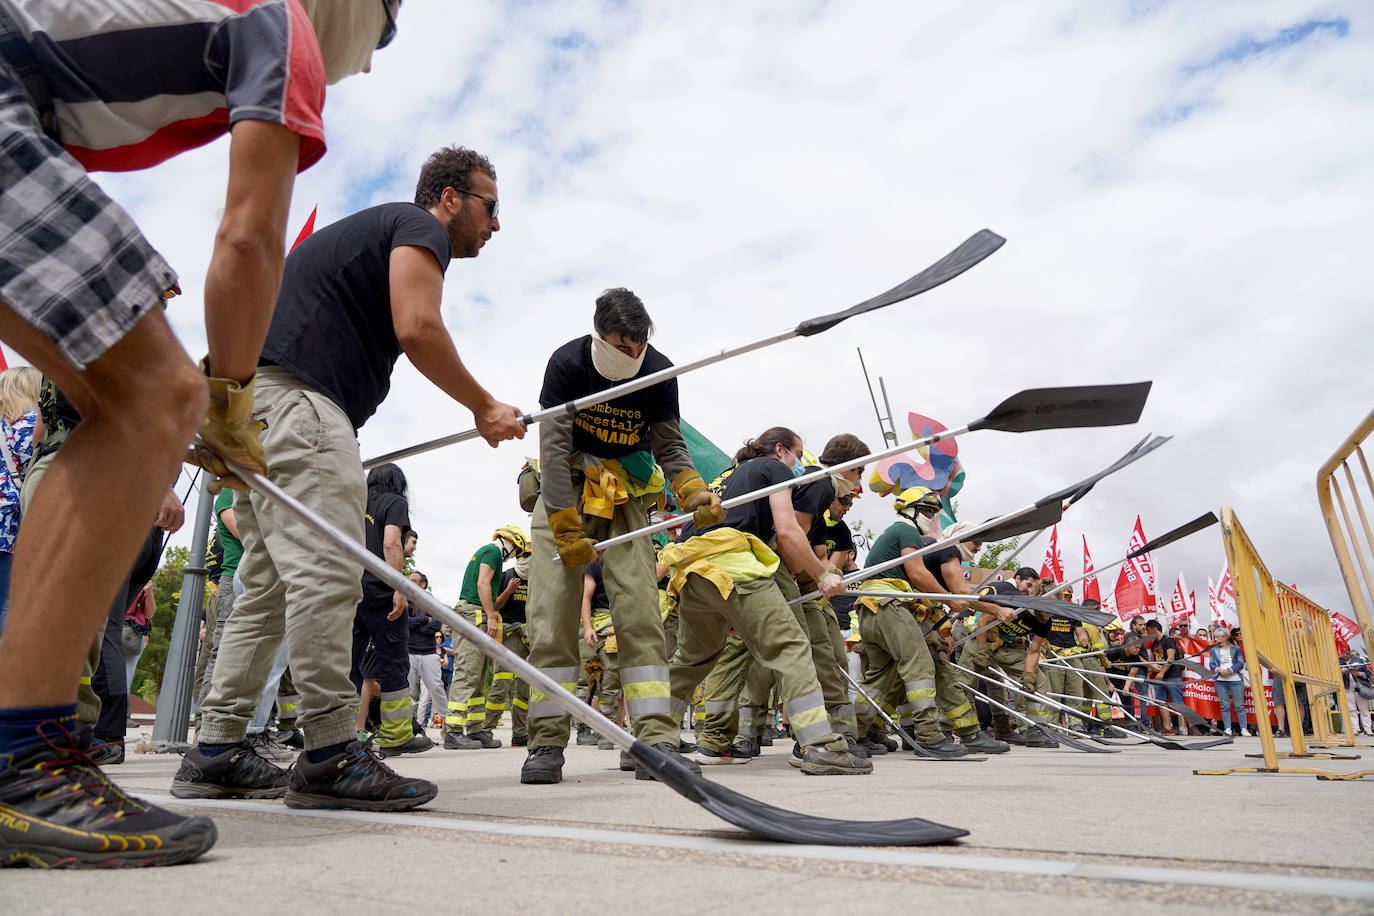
[
  {"x": 487, "y": 555},
  {"x": 232, "y": 548},
  {"x": 889, "y": 545}
]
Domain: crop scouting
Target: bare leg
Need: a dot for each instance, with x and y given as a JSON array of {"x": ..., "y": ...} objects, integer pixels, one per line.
[
  {"x": 372, "y": 688},
  {"x": 140, "y": 403}
]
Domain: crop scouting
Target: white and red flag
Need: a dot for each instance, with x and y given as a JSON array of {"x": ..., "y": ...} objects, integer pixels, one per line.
[
  {"x": 1090, "y": 587},
  {"x": 1226, "y": 599},
  {"x": 1179, "y": 611},
  {"x": 1053, "y": 564},
  {"x": 1345, "y": 630},
  {"x": 1135, "y": 584}
]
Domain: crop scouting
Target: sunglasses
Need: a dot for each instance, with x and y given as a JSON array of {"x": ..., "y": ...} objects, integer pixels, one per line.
[
  {"x": 388, "y": 30},
  {"x": 493, "y": 206}
]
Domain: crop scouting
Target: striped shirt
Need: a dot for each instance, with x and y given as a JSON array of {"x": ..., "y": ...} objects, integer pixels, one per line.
[{"x": 133, "y": 82}]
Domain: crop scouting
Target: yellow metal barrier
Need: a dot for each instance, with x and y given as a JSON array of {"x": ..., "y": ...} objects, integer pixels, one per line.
[
  {"x": 1329, "y": 494},
  {"x": 1285, "y": 632}
]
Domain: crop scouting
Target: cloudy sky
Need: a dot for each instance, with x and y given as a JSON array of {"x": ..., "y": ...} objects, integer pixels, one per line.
[{"x": 1185, "y": 190}]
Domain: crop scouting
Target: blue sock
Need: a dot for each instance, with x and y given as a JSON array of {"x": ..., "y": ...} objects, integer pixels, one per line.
[
  {"x": 214, "y": 750},
  {"x": 321, "y": 754},
  {"x": 19, "y": 726}
]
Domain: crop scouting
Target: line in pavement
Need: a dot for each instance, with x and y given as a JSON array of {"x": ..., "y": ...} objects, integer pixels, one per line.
[{"x": 1051, "y": 868}]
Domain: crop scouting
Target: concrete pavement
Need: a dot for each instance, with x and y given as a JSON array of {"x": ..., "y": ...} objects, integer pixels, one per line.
[{"x": 1050, "y": 830}]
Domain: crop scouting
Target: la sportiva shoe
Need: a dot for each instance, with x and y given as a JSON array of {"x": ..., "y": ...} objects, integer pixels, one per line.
[
  {"x": 239, "y": 773},
  {"x": 57, "y": 810},
  {"x": 819, "y": 760},
  {"x": 543, "y": 766},
  {"x": 354, "y": 778},
  {"x": 107, "y": 754}
]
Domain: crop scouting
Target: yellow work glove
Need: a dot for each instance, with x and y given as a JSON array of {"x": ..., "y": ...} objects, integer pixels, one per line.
[
  {"x": 574, "y": 547},
  {"x": 228, "y": 432},
  {"x": 1028, "y": 681},
  {"x": 692, "y": 496},
  {"x": 982, "y": 656}
]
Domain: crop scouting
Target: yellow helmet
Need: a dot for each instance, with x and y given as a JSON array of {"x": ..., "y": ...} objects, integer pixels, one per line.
[
  {"x": 517, "y": 537},
  {"x": 917, "y": 497}
]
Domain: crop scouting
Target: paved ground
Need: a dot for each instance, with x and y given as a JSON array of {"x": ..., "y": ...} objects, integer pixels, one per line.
[{"x": 1056, "y": 831}]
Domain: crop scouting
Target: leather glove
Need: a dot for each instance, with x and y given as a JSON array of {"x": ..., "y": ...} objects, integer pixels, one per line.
[
  {"x": 574, "y": 547},
  {"x": 1028, "y": 681},
  {"x": 692, "y": 496},
  {"x": 228, "y": 432}
]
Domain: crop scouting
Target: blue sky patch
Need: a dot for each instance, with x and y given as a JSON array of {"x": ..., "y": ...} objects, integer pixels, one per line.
[{"x": 1284, "y": 38}]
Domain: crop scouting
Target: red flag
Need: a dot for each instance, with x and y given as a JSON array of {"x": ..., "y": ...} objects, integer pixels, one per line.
[
  {"x": 1179, "y": 610},
  {"x": 3, "y": 364},
  {"x": 1090, "y": 587},
  {"x": 1344, "y": 629},
  {"x": 1135, "y": 584},
  {"x": 1053, "y": 564},
  {"x": 308, "y": 228}
]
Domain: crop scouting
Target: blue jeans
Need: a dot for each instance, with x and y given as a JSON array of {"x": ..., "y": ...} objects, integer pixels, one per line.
[
  {"x": 1170, "y": 691},
  {"x": 1231, "y": 695}
]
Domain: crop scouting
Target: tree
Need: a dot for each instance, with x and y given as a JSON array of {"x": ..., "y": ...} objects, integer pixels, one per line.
[
  {"x": 991, "y": 555},
  {"x": 167, "y": 594}
]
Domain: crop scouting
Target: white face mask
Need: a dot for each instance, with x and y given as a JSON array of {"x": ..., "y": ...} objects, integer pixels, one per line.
[
  {"x": 966, "y": 552},
  {"x": 522, "y": 568},
  {"x": 843, "y": 485},
  {"x": 612, "y": 364},
  {"x": 348, "y": 31}
]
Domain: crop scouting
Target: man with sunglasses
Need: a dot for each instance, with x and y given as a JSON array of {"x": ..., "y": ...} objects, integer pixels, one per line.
[
  {"x": 355, "y": 296},
  {"x": 88, "y": 86}
]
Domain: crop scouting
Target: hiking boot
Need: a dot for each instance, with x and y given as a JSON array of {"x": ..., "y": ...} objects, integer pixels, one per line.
[
  {"x": 605, "y": 744},
  {"x": 983, "y": 743},
  {"x": 519, "y": 740},
  {"x": 457, "y": 741},
  {"x": 354, "y": 778},
  {"x": 711, "y": 758},
  {"x": 107, "y": 754},
  {"x": 875, "y": 745},
  {"x": 417, "y": 744},
  {"x": 239, "y": 773},
  {"x": 543, "y": 766},
  {"x": 944, "y": 750},
  {"x": 1038, "y": 737},
  {"x": 671, "y": 750},
  {"x": 1010, "y": 736},
  {"x": 855, "y": 748},
  {"x": 820, "y": 760},
  {"x": 686, "y": 747},
  {"x": 484, "y": 739},
  {"x": 57, "y": 810},
  {"x": 745, "y": 747},
  {"x": 797, "y": 758},
  {"x": 627, "y": 762},
  {"x": 585, "y": 736},
  {"x": 268, "y": 749}
]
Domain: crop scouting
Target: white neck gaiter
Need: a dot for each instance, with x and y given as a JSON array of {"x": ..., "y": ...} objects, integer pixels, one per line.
[
  {"x": 613, "y": 365},
  {"x": 348, "y": 31}
]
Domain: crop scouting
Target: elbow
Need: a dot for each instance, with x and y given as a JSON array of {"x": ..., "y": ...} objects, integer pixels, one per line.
[
  {"x": 412, "y": 334},
  {"x": 248, "y": 242}
]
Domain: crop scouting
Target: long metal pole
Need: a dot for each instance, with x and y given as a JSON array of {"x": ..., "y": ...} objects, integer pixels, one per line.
[{"x": 178, "y": 675}]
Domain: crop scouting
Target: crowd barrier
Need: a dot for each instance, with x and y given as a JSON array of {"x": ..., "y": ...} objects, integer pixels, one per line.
[
  {"x": 1287, "y": 633},
  {"x": 1345, "y": 538}
]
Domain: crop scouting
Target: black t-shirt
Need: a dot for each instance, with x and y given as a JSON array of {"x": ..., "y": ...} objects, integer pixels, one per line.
[
  {"x": 514, "y": 611},
  {"x": 1061, "y": 632},
  {"x": 831, "y": 536},
  {"x": 1161, "y": 647},
  {"x": 815, "y": 497},
  {"x": 332, "y": 325},
  {"x": 382, "y": 509},
  {"x": 619, "y": 427},
  {"x": 600, "y": 601},
  {"x": 755, "y": 516},
  {"x": 1025, "y": 624},
  {"x": 935, "y": 562}
]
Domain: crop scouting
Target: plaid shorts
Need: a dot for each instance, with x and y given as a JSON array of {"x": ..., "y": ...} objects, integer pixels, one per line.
[{"x": 72, "y": 262}]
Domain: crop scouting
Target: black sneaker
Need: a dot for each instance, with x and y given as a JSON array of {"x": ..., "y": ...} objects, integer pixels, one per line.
[
  {"x": 57, "y": 810},
  {"x": 239, "y": 773},
  {"x": 686, "y": 747},
  {"x": 874, "y": 745},
  {"x": 1039, "y": 737},
  {"x": 671, "y": 750},
  {"x": 457, "y": 741},
  {"x": 984, "y": 743},
  {"x": 945, "y": 750},
  {"x": 355, "y": 778},
  {"x": 484, "y": 739},
  {"x": 417, "y": 744},
  {"x": 107, "y": 754},
  {"x": 543, "y": 766},
  {"x": 519, "y": 740},
  {"x": 711, "y": 758},
  {"x": 745, "y": 747},
  {"x": 290, "y": 737},
  {"x": 855, "y": 748}
]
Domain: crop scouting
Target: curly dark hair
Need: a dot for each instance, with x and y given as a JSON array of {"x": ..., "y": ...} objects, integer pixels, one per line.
[
  {"x": 842, "y": 448},
  {"x": 450, "y": 167}
]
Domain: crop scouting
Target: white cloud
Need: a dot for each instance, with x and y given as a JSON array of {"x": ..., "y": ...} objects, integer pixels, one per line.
[{"x": 745, "y": 167}]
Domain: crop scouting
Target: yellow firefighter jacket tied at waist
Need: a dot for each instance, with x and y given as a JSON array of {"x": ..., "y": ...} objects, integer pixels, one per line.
[
  {"x": 607, "y": 484},
  {"x": 723, "y": 557},
  {"x": 921, "y": 607}
]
